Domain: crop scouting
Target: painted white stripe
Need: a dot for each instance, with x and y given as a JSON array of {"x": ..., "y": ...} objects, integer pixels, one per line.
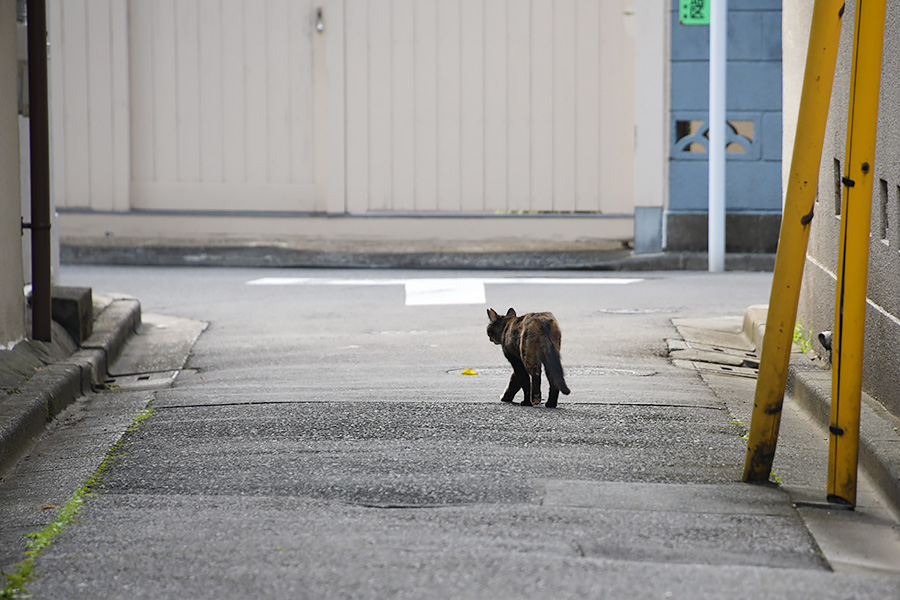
[
  {"x": 421, "y": 292},
  {"x": 562, "y": 280},
  {"x": 491, "y": 280},
  {"x": 447, "y": 290}
]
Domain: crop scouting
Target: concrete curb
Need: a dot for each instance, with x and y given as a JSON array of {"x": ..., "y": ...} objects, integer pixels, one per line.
[
  {"x": 809, "y": 383},
  {"x": 879, "y": 442},
  {"x": 42, "y": 394},
  {"x": 365, "y": 258}
]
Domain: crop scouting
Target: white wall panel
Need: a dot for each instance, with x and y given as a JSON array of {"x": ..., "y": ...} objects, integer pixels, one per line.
[
  {"x": 426, "y": 105},
  {"x": 472, "y": 86},
  {"x": 403, "y": 147},
  {"x": 496, "y": 122},
  {"x": 222, "y": 94},
  {"x": 74, "y": 92},
  {"x": 357, "y": 118},
  {"x": 404, "y": 106},
  {"x": 89, "y": 103},
  {"x": 590, "y": 144},
  {"x": 478, "y": 106}
]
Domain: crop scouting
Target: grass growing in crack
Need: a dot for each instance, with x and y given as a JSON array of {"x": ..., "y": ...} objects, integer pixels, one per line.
[
  {"x": 802, "y": 339},
  {"x": 735, "y": 421},
  {"x": 140, "y": 418},
  {"x": 38, "y": 541}
]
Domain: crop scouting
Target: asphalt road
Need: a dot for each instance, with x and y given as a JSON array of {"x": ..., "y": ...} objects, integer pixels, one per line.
[{"x": 323, "y": 443}]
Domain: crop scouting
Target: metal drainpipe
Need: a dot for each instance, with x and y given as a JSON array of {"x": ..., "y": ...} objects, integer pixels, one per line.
[{"x": 39, "y": 130}]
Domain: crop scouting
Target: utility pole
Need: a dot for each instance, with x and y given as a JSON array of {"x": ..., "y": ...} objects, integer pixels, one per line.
[{"x": 718, "y": 50}]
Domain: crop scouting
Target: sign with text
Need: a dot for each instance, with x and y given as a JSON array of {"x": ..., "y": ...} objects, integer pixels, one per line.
[{"x": 694, "y": 12}]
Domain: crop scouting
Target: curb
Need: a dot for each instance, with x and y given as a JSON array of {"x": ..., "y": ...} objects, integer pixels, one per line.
[
  {"x": 358, "y": 258},
  {"x": 27, "y": 409},
  {"x": 809, "y": 383},
  {"x": 879, "y": 441}
]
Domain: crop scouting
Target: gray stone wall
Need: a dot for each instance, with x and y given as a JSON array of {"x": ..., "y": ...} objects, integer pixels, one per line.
[
  {"x": 817, "y": 304},
  {"x": 754, "y": 105}
]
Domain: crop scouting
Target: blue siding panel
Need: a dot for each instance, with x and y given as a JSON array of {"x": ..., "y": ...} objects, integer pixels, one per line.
[
  {"x": 754, "y": 92},
  {"x": 749, "y": 186},
  {"x": 754, "y": 85},
  {"x": 771, "y": 136}
]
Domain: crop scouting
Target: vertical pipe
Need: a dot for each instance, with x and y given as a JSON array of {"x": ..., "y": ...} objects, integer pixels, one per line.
[
  {"x": 815, "y": 96},
  {"x": 853, "y": 252},
  {"x": 718, "y": 48},
  {"x": 39, "y": 131}
]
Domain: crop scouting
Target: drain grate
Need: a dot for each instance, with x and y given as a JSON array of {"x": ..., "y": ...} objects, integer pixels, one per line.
[
  {"x": 140, "y": 381},
  {"x": 736, "y": 371},
  {"x": 720, "y": 359},
  {"x": 714, "y": 359}
]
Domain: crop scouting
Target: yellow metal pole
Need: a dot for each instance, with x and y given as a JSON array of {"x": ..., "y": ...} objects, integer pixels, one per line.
[
  {"x": 815, "y": 96},
  {"x": 853, "y": 253}
]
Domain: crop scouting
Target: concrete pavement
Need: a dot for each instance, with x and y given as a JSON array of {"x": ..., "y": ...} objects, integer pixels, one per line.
[
  {"x": 694, "y": 539},
  {"x": 725, "y": 352}
]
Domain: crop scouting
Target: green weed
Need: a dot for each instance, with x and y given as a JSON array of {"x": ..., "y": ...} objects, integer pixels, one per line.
[
  {"x": 802, "y": 339},
  {"x": 38, "y": 541}
]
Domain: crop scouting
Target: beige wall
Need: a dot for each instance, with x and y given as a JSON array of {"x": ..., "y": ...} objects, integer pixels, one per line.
[
  {"x": 484, "y": 105},
  {"x": 12, "y": 304},
  {"x": 795, "y": 19},
  {"x": 651, "y": 103},
  {"x": 222, "y": 105},
  {"x": 650, "y": 166},
  {"x": 397, "y": 106},
  {"x": 90, "y": 126}
]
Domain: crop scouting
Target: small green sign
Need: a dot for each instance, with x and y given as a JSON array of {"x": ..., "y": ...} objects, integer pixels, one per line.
[{"x": 694, "y": 12}]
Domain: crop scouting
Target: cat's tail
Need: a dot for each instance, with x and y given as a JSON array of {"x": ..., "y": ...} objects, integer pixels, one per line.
[{"x": 552, "y": 362}]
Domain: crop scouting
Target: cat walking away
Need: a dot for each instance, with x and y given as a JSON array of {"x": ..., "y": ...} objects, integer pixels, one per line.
[{"x": 528, "y": 342}]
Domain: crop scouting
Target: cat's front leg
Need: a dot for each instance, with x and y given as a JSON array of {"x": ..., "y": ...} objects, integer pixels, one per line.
[
  {"x": 519, "y": 381},
  {"x": 512, "y": 389},
  {"x": 525, "y": 381}
]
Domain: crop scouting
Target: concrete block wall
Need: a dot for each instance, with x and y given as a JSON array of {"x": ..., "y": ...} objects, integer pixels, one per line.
[
  {"x": 753, "y": 177},
  {"x": 881, "y": 362}
]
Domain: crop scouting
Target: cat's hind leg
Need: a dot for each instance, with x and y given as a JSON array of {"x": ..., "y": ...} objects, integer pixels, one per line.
[
  {"x": 530, "y": 376},
  {"x": 535, "y": 386},
  {"x": 553, "y": 397}
]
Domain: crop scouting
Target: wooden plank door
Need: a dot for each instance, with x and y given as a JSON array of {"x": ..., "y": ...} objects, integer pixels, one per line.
[
  {"x": 223, "y": 105},
  {"x": 480, "y": 106}
]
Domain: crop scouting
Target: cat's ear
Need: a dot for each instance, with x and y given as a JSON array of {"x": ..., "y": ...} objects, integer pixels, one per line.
[
  {"x": 511, "y": 312},
  {"x": 492, "y": 315}
]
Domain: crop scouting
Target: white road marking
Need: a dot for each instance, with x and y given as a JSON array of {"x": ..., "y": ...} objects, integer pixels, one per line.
[
  {"x": 425, "y": 292},
  {"x": 446, "y": 290}
]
